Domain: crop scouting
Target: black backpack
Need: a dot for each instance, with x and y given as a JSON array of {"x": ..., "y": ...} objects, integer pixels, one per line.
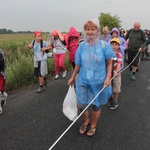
[
  {"x": 41, "y": 44},
  {"x": 2, "y": 61}
]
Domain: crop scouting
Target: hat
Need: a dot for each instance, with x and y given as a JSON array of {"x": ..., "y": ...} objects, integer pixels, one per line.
[
  {"x": 54, "y": 33},
  {"x": 37, "y": 32},
  {"x": 115, "y": 40}
]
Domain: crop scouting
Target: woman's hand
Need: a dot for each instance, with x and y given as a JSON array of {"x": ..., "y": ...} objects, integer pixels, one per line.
[
  {"x": 70, "y": 81},
  {"x": 107, "y": 81},
  {"x": 74, "y": 74}
]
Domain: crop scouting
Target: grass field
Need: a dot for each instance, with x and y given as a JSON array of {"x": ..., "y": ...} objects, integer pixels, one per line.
[{"x": 19, "y": 60}]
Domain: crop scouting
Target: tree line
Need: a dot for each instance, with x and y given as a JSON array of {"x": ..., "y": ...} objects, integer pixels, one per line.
[{"x": 7, "y": 31}]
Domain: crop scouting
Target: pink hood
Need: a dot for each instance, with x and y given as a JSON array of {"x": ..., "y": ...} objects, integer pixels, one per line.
[{"x": 73, "y": 32}]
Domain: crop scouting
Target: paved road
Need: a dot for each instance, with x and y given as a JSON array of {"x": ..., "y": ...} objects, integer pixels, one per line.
[{"x": 32, "y": 121}]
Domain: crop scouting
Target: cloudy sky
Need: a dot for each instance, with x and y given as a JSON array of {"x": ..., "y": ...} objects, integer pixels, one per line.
[{"x": 46, "y": 15}]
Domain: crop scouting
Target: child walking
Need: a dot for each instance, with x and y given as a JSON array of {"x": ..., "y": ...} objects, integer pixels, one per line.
[
  {"x": 116, "y": 82},
  {"x": 40, "y": 58},
  {"x": 58, "y": 45},
  {"x": 72, "y": 44},
  {"x": 3, "y": 95}
]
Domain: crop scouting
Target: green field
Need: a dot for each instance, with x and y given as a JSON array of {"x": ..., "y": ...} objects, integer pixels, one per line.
[{"x": 19, "y": 60}]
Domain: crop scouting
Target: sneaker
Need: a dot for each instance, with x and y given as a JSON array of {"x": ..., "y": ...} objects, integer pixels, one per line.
[
  {"x": 64, "y": 74},
  {"x": 110, "y": 100},
  {"x": 57, "y": 76},
  {"x": 40, "y": 89},
  {"x": 4, "y": 95},
  {"x": 133, "y": 77},
  {"x": 3, "y": 99},
  {"x": 114, "y": 105}
]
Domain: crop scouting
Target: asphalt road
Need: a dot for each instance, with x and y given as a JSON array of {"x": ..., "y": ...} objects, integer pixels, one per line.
[{"x": 32, "y": 121}]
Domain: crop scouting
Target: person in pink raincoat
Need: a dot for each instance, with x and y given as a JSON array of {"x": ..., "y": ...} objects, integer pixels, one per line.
[{"x": 72, "y": 44}]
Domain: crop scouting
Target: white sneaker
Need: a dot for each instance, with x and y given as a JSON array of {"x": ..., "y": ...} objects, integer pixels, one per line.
[
  {"x": 64, "y": 74},
  {"x": 40, "y": 89},
  {"x": 3, "y": 96},
  {"x": 57, "y": 76},
  {"x": 3, "y": 100}
]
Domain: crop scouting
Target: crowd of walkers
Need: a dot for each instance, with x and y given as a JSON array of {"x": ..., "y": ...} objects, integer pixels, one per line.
[{"x": 95, "y": 59}]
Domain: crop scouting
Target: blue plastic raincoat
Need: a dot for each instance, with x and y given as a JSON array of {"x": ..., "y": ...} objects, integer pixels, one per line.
[{"x": 92, "y": 62}]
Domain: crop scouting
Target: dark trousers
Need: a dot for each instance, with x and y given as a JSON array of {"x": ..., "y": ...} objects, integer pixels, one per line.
[{"x": 131, "y": 56}]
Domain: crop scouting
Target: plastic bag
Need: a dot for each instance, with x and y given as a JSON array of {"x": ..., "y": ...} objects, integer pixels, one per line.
[
  {"x": 70, "y": 109},
  {"x": 49, "y": 55}
]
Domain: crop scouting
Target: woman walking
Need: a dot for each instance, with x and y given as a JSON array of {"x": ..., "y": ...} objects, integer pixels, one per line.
[{"x": 91, "y": 58}]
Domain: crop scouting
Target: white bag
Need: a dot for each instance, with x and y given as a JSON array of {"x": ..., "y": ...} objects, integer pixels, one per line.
[
  {"x": 70, "y": 109},
  {"x": 49, "y": 55}
]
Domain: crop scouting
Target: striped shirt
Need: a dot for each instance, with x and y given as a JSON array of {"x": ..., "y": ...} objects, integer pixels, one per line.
[{"x": 117, "y": 60}]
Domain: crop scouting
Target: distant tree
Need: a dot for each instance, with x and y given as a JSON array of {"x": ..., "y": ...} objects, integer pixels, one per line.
[
  {"x": 110, "y": 21},
  {"x": 5, "y": 31},
  {"x": 10, "y": 31},
  {"x": 29, "y": 32}
]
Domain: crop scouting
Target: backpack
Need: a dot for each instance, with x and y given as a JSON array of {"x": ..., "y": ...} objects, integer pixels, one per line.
[
  {"x": 41, "y": 44},
  {"x": 49, "y": 55},
  {"x": 2, "y": 61}
]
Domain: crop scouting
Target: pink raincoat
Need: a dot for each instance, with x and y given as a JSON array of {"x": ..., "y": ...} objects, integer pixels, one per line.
[{"x": 73, "y": 42}]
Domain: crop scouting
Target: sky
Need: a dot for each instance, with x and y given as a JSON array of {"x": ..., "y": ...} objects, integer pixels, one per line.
[{"x": 47, "y": 15}]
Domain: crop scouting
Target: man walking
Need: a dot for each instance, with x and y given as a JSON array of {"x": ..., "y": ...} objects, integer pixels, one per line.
[{"x": 136, "y": 42}]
